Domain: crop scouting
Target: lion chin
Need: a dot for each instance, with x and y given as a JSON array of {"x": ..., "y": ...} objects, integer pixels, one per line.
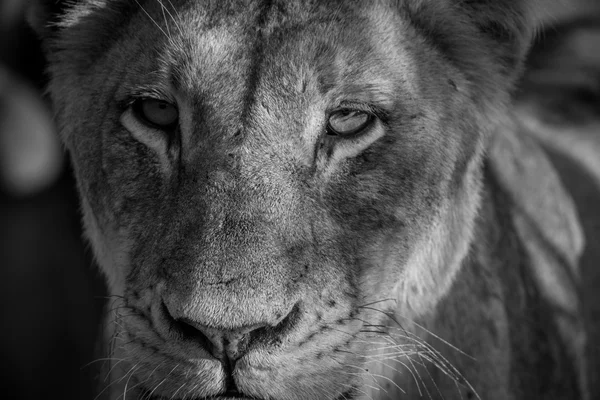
[{"x": 300, "y": 200}]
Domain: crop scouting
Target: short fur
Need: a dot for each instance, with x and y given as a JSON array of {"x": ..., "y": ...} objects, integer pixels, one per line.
[{"x": 423, "y": 258}]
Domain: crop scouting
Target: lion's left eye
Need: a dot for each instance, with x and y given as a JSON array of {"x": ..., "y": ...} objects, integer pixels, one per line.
[{"x": 348, "y": 122}]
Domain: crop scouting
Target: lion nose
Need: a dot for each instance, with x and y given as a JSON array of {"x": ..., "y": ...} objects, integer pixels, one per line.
[
  {"x": 229, "y": 345},
  {"x": 222, "y": 344}
]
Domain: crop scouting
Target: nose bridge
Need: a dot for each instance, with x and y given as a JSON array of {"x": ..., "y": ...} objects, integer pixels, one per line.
[
  {"x": 238, "y": 207},
  {"x": 258, "y": 171},
  {"x": 250, "y": 187},
  {"x": 235, "y": 272}
]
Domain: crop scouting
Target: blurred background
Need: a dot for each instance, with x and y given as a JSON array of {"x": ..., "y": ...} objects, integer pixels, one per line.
[{"x": 51, "y": 293}]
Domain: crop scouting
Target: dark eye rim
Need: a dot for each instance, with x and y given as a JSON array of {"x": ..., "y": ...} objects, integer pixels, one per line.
[
  {"x": 136, "y": 108},
  {"x": 355, "y": 132}
]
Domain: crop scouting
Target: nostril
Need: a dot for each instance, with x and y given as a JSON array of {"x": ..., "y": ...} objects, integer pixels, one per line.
[
  {"x": 190, "y": 332},
  {"x": 271, "y": 335},
  {"x": 184, "y": 329}
]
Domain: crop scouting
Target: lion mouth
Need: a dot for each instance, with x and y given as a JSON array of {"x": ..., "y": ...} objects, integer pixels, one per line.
[
  {"x": 227, "y": 396},
  {"x": 349, "y": 395}
]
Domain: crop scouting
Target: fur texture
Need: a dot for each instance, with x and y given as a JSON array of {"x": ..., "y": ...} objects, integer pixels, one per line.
[{"x": 250, "y": 253}]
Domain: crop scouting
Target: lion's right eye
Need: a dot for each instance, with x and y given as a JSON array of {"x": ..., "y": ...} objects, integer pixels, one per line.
[{"x": 156, "y": 113}]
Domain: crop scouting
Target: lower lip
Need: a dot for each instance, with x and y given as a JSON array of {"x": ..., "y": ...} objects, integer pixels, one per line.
[
  {"x": 212, "y": 398},
  {"x": 345, "y": 396}
]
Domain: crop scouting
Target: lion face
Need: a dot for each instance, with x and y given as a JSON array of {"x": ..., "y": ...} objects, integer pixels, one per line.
[{"x": 265, "y": 186}]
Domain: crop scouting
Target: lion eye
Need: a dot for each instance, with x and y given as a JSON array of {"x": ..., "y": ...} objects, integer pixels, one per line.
[
  {"x": 156, "y": 113},
  {"x": 348, "y": 122}
]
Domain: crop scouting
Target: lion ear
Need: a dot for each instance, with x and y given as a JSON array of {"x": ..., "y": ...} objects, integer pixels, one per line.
[
  {"x": 507, "y": 27},
  {"x": 44, "y": 15},
  {"x": 487, "y": 40}
]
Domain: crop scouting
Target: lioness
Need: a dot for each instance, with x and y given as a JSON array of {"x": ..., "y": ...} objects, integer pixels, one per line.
[{"x": 302, "y": 200}]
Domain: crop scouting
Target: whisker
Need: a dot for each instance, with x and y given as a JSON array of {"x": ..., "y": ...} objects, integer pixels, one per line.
[
  {"x": 163, "y": 381},
  {"x": 355, "y": 388},
  {"x": 433, "y": 356},
  {"x": 114, "y": 381},
  {"x": 162, "y": 8},
  {"x": 363, "y": 384},
  {"x": 173, "y": 18},
  {"x": 113, "y": 367},
  {"x": 438, "y": 338},
  {"x": 177, "y": 391},
  {"x": 378, "y": 301},
  {"x": 152, "y": 19},
  {"x": 149, "y": 376},
  {"x": 111, "y": 296},
  {"x": 432, "y": 380},
  {"x": 383, "y": 377},
  {"x": 414, "y": 368},
  {"x": 104, "y": 359},
  {"x": 130, "y": 373}
]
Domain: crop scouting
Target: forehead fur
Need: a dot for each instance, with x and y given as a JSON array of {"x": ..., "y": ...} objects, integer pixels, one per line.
[{"x": 484, "y": 40}]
